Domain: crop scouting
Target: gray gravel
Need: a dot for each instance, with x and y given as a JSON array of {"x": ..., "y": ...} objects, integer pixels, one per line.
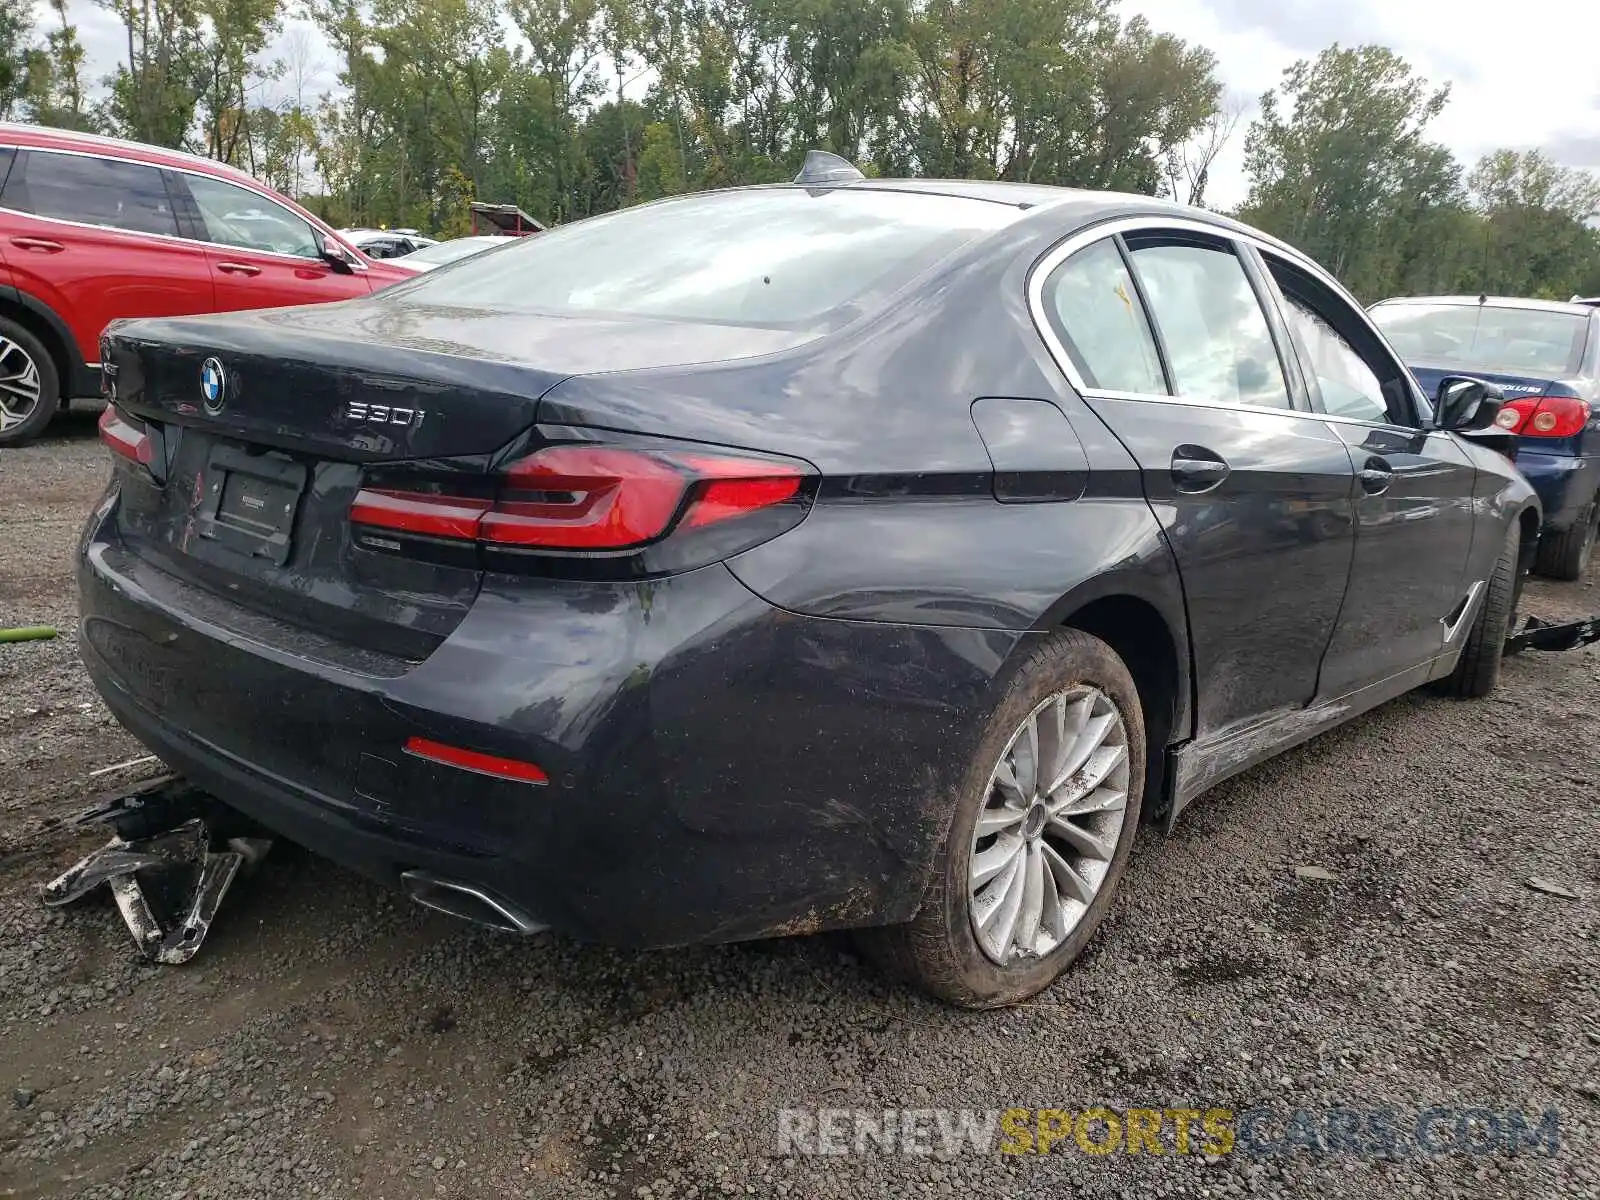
[{"x": 331, "y": 1040}]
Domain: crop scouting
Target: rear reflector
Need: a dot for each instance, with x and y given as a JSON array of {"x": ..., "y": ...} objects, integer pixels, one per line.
[
  {"x": 125, "y": 439},
  {"x": 471, "y": 760},
  {"x": 594, "y": 498}
]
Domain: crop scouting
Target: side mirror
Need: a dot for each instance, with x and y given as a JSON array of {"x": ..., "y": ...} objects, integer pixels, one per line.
[
  {"x": 334, "y": 255},
  {"x": 1463, "y": 404}
]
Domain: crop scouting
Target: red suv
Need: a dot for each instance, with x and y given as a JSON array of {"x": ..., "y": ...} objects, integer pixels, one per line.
[{"x": 92, "y": 229}]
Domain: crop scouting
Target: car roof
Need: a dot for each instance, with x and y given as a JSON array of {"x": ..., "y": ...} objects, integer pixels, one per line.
[
  {"x": 1564, "y": 306},
  {"x": 43, "y": 138}
]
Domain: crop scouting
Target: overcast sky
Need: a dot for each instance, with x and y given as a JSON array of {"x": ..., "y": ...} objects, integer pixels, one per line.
[{"x": 1524, "y": 74}]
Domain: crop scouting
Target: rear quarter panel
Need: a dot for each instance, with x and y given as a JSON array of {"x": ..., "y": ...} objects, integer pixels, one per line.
[
  {"x": 1501, "y": 494},
  {"x": 907, "y": 528}
]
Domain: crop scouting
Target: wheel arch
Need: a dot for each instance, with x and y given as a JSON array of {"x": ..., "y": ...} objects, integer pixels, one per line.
[
  {"x": 53, "y": 333},
  {"x": 1528, "y": 539},
  {"x": 1148, "y": 630}
]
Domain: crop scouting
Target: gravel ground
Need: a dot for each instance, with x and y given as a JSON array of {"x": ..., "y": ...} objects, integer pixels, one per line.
[{"x": 331, "y": 1040}]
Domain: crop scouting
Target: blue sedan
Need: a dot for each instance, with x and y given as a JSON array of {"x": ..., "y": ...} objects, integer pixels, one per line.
[{"x": 1545, "y": 356}]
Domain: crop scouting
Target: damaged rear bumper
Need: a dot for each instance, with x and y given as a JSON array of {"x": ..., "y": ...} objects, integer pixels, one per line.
[{"x": 717, "y": 769}]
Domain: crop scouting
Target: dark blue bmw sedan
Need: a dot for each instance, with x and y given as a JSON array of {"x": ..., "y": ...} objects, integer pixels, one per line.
[
  {"x": 1545, "y": 357},
  {"x": 854, "y": 553}
]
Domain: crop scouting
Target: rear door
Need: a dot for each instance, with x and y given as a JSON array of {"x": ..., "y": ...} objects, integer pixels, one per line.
[
  {"x": 261, "y": 254},
  {"x": 1170, "y": 344},
  {"x": 97, "y": 238},
  {"x": 1409, "y": 593}
]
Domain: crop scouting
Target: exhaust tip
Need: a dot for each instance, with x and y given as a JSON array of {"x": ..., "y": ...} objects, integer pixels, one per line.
[{"x": 468, "y": 902}]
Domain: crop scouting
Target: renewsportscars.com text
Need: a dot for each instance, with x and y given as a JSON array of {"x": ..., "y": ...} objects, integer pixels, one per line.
[{"x": 1100, "y": 1130}]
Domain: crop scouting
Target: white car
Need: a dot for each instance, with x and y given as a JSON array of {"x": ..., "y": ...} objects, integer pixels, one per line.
[
  {"x": 387, "y": 243},
  {"x": 440, "y": 253}
]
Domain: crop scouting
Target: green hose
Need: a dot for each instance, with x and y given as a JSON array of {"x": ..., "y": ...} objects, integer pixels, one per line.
[{"x": 28, "y": 633}]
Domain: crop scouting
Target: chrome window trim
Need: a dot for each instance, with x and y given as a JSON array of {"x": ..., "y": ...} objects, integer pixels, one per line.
[
  {"x": 358, "y": 264},
  {"x": 1041, "y": 270}
]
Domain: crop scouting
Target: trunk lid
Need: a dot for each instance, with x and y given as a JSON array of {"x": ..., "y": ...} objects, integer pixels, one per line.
[
  {"x": 264, "y": 426},
  {"x": 1512, "y": 385}
]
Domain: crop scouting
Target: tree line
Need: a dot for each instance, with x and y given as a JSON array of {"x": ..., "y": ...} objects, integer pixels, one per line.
[{"x": 600, "y": 104}]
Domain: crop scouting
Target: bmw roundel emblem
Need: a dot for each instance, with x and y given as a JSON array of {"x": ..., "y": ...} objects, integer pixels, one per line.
[{"x": 213, "y": 385}]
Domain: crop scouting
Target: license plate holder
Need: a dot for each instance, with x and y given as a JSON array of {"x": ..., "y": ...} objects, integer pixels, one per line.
[{"x": 251, "y": 501}]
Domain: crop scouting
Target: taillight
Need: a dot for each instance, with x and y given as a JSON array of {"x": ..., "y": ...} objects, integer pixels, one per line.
[
  {"x": 1544, "y": 416},
  {"x": 582, "y": 498},
  {"x": 126, "y": 439}
]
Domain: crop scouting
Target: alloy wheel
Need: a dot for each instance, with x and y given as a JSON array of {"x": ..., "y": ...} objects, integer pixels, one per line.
[
  {"x": 1050, "y": 825},
  {"x": 19, "y": 384}
]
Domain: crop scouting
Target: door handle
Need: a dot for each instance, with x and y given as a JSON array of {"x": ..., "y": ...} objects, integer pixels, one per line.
[
  {"x": 1196, "y": 469},
  {"x": 44, "y": 245},
  {"x": 1375, "y": 477},
  {"x": 233, "y": 268}
]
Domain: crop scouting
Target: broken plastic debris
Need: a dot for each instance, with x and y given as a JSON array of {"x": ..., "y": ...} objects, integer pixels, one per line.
[
  {"x": 1314, "y": 873},
  {"x": 1552, "y": 889},
  {"x": 175, "y": 853},
  {"x": 123, "y": 766}
]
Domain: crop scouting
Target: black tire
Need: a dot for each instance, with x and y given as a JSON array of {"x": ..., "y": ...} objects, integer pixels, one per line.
[
  {"x": 938, "y": 950},
  {"x": 1478, "y": 668},
  {"x": 1566, "y": 555},
  {"x": 20, "y": 345}
]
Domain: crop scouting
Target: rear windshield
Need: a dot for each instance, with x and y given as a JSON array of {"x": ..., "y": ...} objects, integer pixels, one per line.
[
  {"x": 1485, "y": 337},
  {"x": 781, "y": 258}
]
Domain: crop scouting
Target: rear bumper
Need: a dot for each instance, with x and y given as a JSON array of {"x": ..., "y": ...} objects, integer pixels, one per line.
[
  {"x": 1566, "y": 483},
  {"x": 719, "y": 769}
]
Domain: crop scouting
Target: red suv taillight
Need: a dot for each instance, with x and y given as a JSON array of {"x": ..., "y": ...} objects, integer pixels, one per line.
[
  {"x": 126, "y": 439},
  {"x": 1544, "y": 416},
  {"x": 596, "y": 499}
]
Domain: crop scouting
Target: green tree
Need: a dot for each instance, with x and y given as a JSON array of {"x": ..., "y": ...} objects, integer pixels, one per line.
[
  {"x": 225, "y": 42},
  {"x": 52, "y": 90},
  {"x": 153, "y": 93},
  {"x": 1340, "y": 165},
  {"x": 1535, "y": 233}
]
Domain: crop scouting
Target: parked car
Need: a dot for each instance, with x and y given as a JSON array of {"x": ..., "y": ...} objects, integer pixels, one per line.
[
  {"x": 1592, "y": 300},
  {"x": 92, "y": 229},
  {"x": 1546, "y": 357},
  {"x": 440, "y": 253},
  {"x": 868, "y": 554},
  {"x": 387, "y": 243}
]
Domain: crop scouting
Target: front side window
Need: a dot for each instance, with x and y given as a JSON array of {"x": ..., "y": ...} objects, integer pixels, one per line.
[
  {"x": 1357, "y": 375},
  {"x": 1095, "y": 309},
  {"x": 778, "y": 258},
  {"x": 1219, "y": 345},
  {"x": 93, "y": 191},
  {"x": 1349, "y": 387},
  {"x": 236, "y": 216}
]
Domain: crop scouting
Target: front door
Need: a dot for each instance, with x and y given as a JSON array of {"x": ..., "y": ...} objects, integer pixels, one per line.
[
  {"x": 1177, "y": 355},
  {"x": 262, "y": 255},
  {"x": 1409, "y": 599}
]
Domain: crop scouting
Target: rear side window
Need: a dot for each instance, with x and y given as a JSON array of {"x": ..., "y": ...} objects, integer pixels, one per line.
[
  {"x": 780, "y": 257},
  {"x": 236, "y": 216},
  {"x": 93, "y": 191},
  {"x": 1091, "y": 301},
  {"x": 1219, "y": 345}
]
